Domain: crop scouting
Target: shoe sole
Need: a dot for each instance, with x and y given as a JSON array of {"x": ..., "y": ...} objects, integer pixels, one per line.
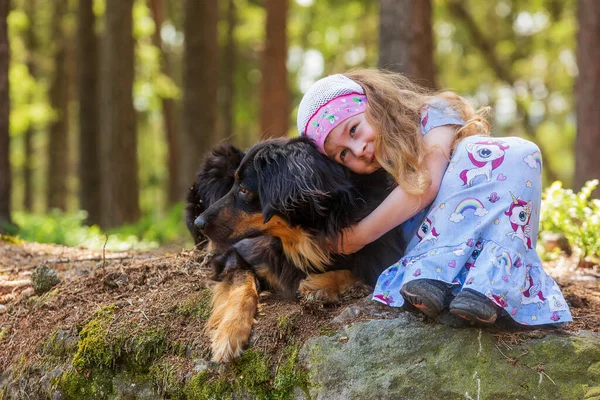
[
  {"x": 425, "y": 307},
  {"x": 469, "y": 316}
]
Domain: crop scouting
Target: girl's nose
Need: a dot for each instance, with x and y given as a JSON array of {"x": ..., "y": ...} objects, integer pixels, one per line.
[{"x": 359, "y": 149}]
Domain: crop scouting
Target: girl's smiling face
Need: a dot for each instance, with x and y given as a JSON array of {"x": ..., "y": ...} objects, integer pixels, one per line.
[{"x": 352, "y": 144}]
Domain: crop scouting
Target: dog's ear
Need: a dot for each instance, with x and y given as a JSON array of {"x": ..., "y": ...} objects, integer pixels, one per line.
[{"x": 298, "y": 182}]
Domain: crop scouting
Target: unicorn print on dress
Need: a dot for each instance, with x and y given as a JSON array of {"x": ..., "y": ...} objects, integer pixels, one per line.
[
  {"x": 519, "y": 215},
  {"x": 531, "y": 293},
  {"x": 426, "y": 231},
  {"x": 476, "y": 251},
  {"x": 486, "y": 157}
]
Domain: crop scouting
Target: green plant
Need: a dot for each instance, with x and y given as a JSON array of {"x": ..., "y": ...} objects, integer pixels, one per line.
[
  {"x": 575, "y": 215},
  {"x": 69, "y": 229}
]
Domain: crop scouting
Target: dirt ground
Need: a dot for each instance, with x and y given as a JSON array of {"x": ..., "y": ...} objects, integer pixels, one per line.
[{"x": 149, "y": 287}]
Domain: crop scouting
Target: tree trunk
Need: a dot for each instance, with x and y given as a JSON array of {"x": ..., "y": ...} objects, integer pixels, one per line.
[
  {"x": 174, "y": 193},
  {"x": 200, "y": 83},
  {"x": 406, "y": 39},
  {"x": 31, "y": 44},
  {"x": 229, "y": 61},
  {"x": 120, "y": 187},
  {"x": 587, "y": 90},
  {"x": 5, "y": 178},
  {"x": 274, "y": 106},
  {"x": 58, "y": 141},
  {"x": 89, "y": 137}
]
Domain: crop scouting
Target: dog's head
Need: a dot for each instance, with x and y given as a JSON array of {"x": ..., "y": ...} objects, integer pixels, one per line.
[{"x": 285, "y": 188}]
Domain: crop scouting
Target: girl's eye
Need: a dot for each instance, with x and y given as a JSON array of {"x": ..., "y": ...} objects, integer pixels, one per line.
[
  {"x": 353, "y": 130},
  {"x": 343, "y": 154}
]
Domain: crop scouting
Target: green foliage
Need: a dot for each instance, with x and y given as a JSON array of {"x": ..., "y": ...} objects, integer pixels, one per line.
[
  {"x": 575, "y": 215},
  {"x": 69, "y": 229},
  {"x": 153, "y": 228}
]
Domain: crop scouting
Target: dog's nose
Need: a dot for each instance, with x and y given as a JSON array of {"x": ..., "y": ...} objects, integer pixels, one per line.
[{"x": 200, "y": 223}]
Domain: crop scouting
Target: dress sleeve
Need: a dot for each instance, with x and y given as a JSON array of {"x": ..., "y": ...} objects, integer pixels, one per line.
[{"x": 436, "y": 113}]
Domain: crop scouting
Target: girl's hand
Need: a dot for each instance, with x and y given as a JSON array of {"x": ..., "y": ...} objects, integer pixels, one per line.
[{"x": 350, "y": 241}]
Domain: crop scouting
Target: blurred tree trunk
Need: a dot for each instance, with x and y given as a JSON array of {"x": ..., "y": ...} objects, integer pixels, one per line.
[
  {"x": 229, "y": 62},
  {"x": 5, "y": 178},
  {"x": 406, "y": 39},
  {"x": 587, "y": 90},
  {"x": 174, "y": 193},
  {"x": 89, "y": 137},
  {"x": 200, "y": 84},
  {"x": 274, "y": 105},
  {"x": 58, "y": 141},
  {"x": 120, "y": 185},
  {"x": 31, "y": 44}
]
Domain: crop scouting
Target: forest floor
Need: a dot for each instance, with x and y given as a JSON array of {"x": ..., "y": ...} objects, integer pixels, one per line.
[{"x": 168, "y": 289}]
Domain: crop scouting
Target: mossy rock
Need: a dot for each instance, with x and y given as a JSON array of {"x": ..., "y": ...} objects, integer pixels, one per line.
[
  {"x": 44, "y": 279},
  {"x": 404, "y": 358}
]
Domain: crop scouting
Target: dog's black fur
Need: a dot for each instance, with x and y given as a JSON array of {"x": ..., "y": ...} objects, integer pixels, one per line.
[
  {"x": 279, "y": 209},
  {"x": 292, "y": 180},
  {"x": 213, "y": 181}
]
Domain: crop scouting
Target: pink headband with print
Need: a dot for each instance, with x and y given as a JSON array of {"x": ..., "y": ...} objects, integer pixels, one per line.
[
  {"x": 331, "y": 115},
  {"x": 328, "y": 103}
]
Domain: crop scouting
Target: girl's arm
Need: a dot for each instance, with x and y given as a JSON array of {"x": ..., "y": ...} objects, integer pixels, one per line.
[{"x": 399, "y": 206}]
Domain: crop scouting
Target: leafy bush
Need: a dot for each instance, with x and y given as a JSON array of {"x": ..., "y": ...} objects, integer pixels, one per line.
[
  {"x": 575, "y": 215},
  {"x": 69, "y": 229}
]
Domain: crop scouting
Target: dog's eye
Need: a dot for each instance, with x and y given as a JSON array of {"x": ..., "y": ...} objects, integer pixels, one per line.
[{"x": 243, "y": 190}]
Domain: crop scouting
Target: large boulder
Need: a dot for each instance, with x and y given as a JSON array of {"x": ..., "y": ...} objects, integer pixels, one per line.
[{"x": 405, "y": 358}]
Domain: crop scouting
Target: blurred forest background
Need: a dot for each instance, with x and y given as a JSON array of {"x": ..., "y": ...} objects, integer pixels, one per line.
[{"x": 107, "y": 106}]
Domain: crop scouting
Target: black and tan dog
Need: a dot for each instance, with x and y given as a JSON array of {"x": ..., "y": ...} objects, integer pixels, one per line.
[{"x": 286, "y": 205}]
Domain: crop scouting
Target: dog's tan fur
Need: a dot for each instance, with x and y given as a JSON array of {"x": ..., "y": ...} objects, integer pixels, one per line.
[
  {"x": 299, "y": 246},
  {"x": 234, "y": 305},
  {"x": 328, "y": 285}
]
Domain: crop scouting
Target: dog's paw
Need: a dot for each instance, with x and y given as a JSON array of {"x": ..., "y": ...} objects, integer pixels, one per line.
[
  {"x": 313, "y": 294},
  {"x": 225, "y": 349}
]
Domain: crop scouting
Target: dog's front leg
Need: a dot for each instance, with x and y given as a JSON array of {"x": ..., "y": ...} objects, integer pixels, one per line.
[{"x": 234, "y": 305}]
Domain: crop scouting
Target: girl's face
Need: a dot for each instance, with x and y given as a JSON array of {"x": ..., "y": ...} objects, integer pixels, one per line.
[{"x": 352, "y": 144}]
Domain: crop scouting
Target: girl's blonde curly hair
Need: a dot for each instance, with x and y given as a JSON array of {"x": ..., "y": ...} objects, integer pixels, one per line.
[{"x": 394, "y": 111}]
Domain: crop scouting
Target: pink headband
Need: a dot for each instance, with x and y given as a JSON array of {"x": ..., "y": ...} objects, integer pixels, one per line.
[{"x": 331, "y": 114}]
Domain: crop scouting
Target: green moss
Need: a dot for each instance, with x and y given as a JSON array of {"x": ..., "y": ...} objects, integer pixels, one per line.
[
  {"x": 94, "y": 347},
  {"x": 3, "y": 332},
  {"x": 251, "y": 376},
  {"x": 166, "y": 381},
  {"x": 327, "y": 331},
  {"x": 11, "y": 239},
  {"x": 76, "y": 386},
  {"x": 61, "y": 344},
  {"x": 207, "y": 386},
  {"x": 197, "y": 305},
  {"x": 253, "y": 373},
  {"x": 146, "y": 346},
  {"x": 286, "y": 325},
  {"x": 289, "y": 376}
]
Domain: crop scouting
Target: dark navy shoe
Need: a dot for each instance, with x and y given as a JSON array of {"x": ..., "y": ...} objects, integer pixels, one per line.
[
  {"x": 428, "y": 295},
  {"x": 475, "y": 307}
]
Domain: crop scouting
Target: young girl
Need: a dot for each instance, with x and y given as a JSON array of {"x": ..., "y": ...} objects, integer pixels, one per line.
[{"x": 470, "y": 203}]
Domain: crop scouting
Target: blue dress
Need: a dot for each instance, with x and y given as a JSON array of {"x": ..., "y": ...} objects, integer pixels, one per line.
[{"x": 481, "y": 230}]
